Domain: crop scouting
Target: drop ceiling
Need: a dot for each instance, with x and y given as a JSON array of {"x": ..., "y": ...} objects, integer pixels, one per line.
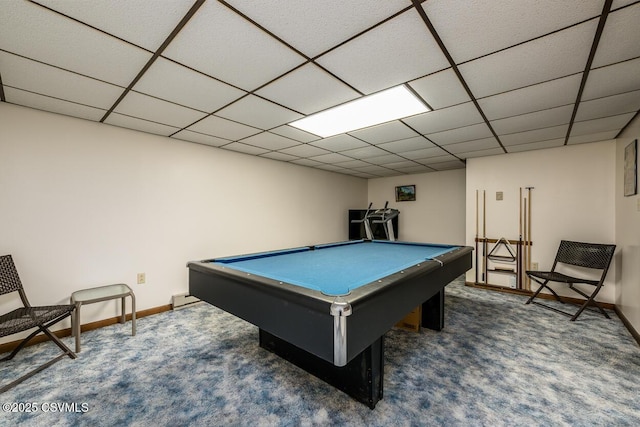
[{"x": 501, "y": 76}]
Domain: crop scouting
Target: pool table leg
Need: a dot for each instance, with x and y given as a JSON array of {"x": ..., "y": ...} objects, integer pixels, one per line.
[
  {"x": 361, "y": 378},
  {"x": 433, "y": 312}
]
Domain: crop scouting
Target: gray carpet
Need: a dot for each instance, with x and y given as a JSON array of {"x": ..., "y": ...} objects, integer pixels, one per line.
[{"x": 498, "y": 362}]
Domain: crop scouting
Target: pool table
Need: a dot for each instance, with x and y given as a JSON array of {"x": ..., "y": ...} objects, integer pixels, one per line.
[{"x": 327, "y": 307}]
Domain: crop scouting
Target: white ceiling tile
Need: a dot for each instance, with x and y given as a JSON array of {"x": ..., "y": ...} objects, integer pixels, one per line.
[
  {"x": 390, "y": 131},
  {"x": 480, "y": 153},
  {"x": 223, "y": 128},
  {"x": 153, "y": 109},
  {"x": 409, "y": 144},
  {"x": 294, "y": 133},
  {"x": 443, "y": 162},
  {"x": 340, "y": 142},
  {"x": 620, "y": 38},
  {"x": 331, "y": 158},
  {"x": 593, "y": 137},
  {"x": 620, "y": 3},
  {"x": 539, "y": 119},
  {"x": 416, "y": 169},
  {"x": 476, "y": 145},
  {"x": 424, "y": 153},
  {"x": 467, "y": 133},
  {"x": 455, "y": 164},
  {"x": 374, "y": 169},
  {"x": 125, "y": 18},
  {"x": 358, "y": 174},
  {"x": 402, "y": 164},
  {"x": 306, "y": 162},
  {"x": 331, "y": 167},
  {"x": 352, "y": 164},
  {"x": 314, "y": 26},
  {"x": 537, "y": 135},
  {"x": 438, "y": 159},
  {"x": 613, "y": 79},
  {"x": 37, "y": 33},
  {"x": 440, "y": 90},
  {"x": 447, "y": 118},
  {"x": 139, "y": 124},
  {"x": 200, "y": 138},
  {"x": 308, "y": 89},
  {"x": 386, "y": 160},
  {"x": 470, "y": 29},
  {"x": 389, "y": 173},
  {"x": 279, "y": 156},
  {"x": 257, "y": 112},
  {"x": 554, "y": 93},
  {"x": 270, "y": 141},
  {"x": 399, "y": 50},
  {"x": 552, "y": 143},
  {"x": 304, "y": 150},
  {"x": 35, "y": 77},
  {"x": 244, "y": 148},
  {"x": 220, "y": 43},
  {"x": 610, "y": 106},
  {"x": 39, "y": 102},
  {"x": 175, "y": 83},
  {"x": 557, "y": 55},
  {"x": 549, "y": 143},
  {"x": 365, "y": 152},
  {"x": 601, "y": 125}
]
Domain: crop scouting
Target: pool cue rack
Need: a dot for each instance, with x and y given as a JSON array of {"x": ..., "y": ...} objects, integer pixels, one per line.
[
  {"x": 492, "y": 260},
  {"x": 501, "y": 258}
]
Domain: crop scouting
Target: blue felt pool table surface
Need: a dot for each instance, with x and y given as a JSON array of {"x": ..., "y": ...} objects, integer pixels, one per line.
[{"x": 336, "y": 269}]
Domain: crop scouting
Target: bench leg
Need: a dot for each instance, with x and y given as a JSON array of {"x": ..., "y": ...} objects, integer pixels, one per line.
[
  {"x": 75, "y": 326},
  {"x": 133, "y": 314}
]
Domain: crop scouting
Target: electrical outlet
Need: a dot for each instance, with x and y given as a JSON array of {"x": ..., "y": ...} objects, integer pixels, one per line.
[
  {"x": 141, "y": 278},
  {"x": 499, "y": 195},
  {"x": 534, "y": 266}
]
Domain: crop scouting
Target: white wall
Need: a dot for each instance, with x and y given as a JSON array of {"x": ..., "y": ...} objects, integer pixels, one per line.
[
  {"x": 628, "y": 234},
  {"x": 85, "y": 204},
  {"x": 438, "y": 213},
  {"x": 573, "y": 198}
]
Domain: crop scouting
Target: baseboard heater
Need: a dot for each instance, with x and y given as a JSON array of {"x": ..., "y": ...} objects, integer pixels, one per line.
[{"x": 183, "y": 301}]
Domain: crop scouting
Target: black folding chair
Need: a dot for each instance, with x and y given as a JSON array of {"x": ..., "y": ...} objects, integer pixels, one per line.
[
  {"x": 590, "y": 255},
  {"x": 28, "y": 317}
]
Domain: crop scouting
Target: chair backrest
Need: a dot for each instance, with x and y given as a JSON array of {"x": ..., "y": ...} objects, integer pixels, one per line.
[
  {"x": 591, "y": 255},
  {"x": 9, "y": 279}
]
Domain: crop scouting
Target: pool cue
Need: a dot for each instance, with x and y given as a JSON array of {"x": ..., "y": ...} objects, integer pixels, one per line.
[
  {"x": 529, "y": 234},
  {"x": 526, "y": 241},
  {"x": 484, "y": 235},
  {"x": 520, "y": 247},
  {"x": 477, "y": 219}
]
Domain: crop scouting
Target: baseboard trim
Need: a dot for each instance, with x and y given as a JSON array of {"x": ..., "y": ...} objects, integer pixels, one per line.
[
  {"x": 576, "y": 301},
  {"x": 10, "y": 346},
  {"x": 628, "y": 325},
  {"x": 498, "y": 288}
]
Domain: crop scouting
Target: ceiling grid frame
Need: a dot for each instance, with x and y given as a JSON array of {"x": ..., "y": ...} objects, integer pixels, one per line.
[{"x": 457, "y": 143}]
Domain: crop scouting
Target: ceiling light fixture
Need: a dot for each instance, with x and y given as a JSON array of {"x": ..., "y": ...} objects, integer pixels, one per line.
[{"x": 380, "y": 107}]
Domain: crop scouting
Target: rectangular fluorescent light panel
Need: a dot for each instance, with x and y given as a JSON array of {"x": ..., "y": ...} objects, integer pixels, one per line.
[{"x": 381, "y": 107}]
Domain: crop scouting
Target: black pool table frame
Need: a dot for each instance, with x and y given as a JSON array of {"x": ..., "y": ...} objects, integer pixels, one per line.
[{"x": 306, "y": 327}]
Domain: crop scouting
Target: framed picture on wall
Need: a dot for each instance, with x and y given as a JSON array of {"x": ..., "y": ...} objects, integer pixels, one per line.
[
  {"x": 631, "y": 169},
  {"x": 406, "y": 193}
]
